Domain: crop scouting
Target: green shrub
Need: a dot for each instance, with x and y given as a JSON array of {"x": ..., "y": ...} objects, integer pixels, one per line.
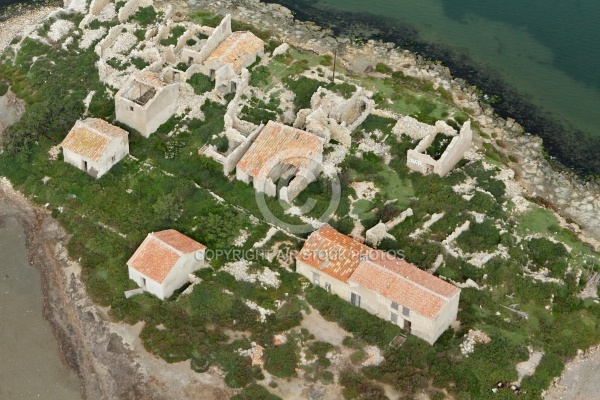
[
  {"x": 545, "y": 253},
  {"x": 201, "y": 83},
  {"x": 362, "y": 324},
  {"x": 255, "y": 392},
  {"x": 145, "y": 16},
  {"x": 139, "y": 63},
  {"x": 382, "y": 68},
  {"x": 174, "y": 35},
  {"x": 206, "y": 18},
  {"x": 356, "y": 386},
  {"x": 259, "y": 76},
  {"x": 479, "y": 237},
  {"x": 303, "y": 88},
  {"x": 3, "y": 88},
  {"x": 282, "y": 360}
]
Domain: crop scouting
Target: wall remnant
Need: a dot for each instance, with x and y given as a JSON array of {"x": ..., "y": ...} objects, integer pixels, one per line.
[{"x": 418, "y": 160}]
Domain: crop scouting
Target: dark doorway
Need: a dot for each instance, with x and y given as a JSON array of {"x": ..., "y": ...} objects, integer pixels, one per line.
[
  {"x": 85, "y": 166},
  {"x": 407, "y": 326}
]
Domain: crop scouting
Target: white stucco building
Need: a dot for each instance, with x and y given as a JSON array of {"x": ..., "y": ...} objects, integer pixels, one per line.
[
  {"x": 94, "y": 146},
  {"x": 146, "y": 102},
  {"x": 386, "y": 286},
  {"x": 163, "y": 261}
]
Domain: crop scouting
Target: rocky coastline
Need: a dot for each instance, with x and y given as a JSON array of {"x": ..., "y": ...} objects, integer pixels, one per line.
[
  {"x": 109, "y": 357},
  {"x": 575, "y": 200}
]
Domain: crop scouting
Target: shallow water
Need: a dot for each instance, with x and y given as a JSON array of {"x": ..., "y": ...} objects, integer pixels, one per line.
[{"x": 30, "y": 364}]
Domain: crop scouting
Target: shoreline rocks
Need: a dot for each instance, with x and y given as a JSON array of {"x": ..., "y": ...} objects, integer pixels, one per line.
[{"x": 562, "y": 191}]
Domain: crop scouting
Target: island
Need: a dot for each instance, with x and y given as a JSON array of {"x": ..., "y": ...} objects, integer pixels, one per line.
[{"x": 228, "y": 203}]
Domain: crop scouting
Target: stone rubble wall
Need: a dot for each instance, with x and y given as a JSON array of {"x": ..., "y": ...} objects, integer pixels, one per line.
[
  {"x": 131, "y": 8},
  {"x": 455, "y": 150},
  {"x": 108, "y": 40},
  {"x": 236, "y": 155}
]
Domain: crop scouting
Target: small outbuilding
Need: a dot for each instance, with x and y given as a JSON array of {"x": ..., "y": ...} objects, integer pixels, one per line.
[
  {"x": 94, "y": 146},
  {"x": 163, "y": 261},
  {"x": 146, "y": 102}
]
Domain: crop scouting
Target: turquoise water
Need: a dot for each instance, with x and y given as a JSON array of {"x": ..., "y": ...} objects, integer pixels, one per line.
[{"x": 548, "y": 52}]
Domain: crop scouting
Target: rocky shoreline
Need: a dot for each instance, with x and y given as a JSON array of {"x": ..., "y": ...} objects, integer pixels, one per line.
[
  {"x": 109, "y": 357},
  {"x": 575, "y": 200}
]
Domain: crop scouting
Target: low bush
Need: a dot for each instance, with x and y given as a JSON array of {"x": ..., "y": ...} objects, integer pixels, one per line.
[
  {"x": 201, "y": 83},
  {"x": 362, "y": 324},
  {"x": 481, "y": 237},
  {"x": 145, "y": 16},
  {"x": 282, "y": 360}
]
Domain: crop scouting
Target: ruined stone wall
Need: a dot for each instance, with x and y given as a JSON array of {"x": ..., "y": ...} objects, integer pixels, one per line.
[
  {"x": 131, "y": 7},
  {"x": 420, "y": 162},
  {"x": 96, "y": 6},
  {"x": 108, "y": 40},
  {"x": 236, "y": 155},
  {"x": 219, "y": 34},
  {"x": 418, "y": 130},
  {"x": 456, "y": 150}
]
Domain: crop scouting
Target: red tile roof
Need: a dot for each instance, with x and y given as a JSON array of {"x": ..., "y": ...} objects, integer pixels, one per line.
[
  {"x": 160, "y": 251},
  {"x": 90, "y": 137},
  {"x": 236, "y": 49},
  {"x": 333, "y": 253},
  {"x": 345, "y": 259},
  {"x": 280, "y": 143}
]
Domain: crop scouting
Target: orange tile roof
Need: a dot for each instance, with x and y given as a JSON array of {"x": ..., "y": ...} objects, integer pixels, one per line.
[
  {"x": 333, "y": 253},
  {"x": 279, "y": 143},
  {"x": 345, "y": 259},
  {"x": 90, "y": 137},
  {"x": 160, "y": 251},
  {"x": 179, "y": 241},
  {"x": 399, "y": 289},
  {"x": 236, "y": 49}
]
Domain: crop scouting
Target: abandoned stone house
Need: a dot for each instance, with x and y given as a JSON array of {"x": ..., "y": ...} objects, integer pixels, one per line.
[
  {"x": 285, "y": 154},
  {"x": 225, "y": 54},
  {"x": 145, "y": 102},
  {"x": 94, "y": 146},
  {"x": 418, "y": 160},
  {"x": 380, "y": 283},
  {"x": 333, "y": 117},
  {"x": 163, "y": 261}
]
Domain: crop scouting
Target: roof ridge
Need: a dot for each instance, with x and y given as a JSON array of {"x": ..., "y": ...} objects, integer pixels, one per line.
[
  {"x": 179, "y": 252},
  {"x": 408, "y": 279}
]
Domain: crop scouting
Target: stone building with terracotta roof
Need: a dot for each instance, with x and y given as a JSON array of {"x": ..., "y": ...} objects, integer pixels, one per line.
[
  {"x": 380, "y": 283},
  {"x": 225, "y": 54},
  {"x": 94, "y": 146},
  {"x": 145, "y": 102},
  {"x": 163, "y": 261},
  {"x": 281, "y": 152}
]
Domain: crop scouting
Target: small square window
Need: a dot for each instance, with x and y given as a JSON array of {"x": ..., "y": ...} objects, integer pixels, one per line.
[
  {"x": 394, "y": 306},
  {"x": 130, "y": 108},
  {"x": 405, "y": 312},
  {"x": 328, "y": 287}
]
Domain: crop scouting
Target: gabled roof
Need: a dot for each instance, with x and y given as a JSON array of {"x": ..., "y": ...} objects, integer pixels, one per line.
[
  {"x": 160, "y": 251},
  {"x": 236, "y": 49},
  {"x": 333, "y": 253},
  {"x": 280, "y": 143},
  {"x": 348, "y": 260},
  {"x": 90, "y": 137}
]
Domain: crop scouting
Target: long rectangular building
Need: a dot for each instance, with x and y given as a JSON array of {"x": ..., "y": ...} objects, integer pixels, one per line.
[{"x": 380, "y": 283}]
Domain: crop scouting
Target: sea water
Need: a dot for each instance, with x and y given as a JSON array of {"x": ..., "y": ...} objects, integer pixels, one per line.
[{"x": 30, "y": 364}]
